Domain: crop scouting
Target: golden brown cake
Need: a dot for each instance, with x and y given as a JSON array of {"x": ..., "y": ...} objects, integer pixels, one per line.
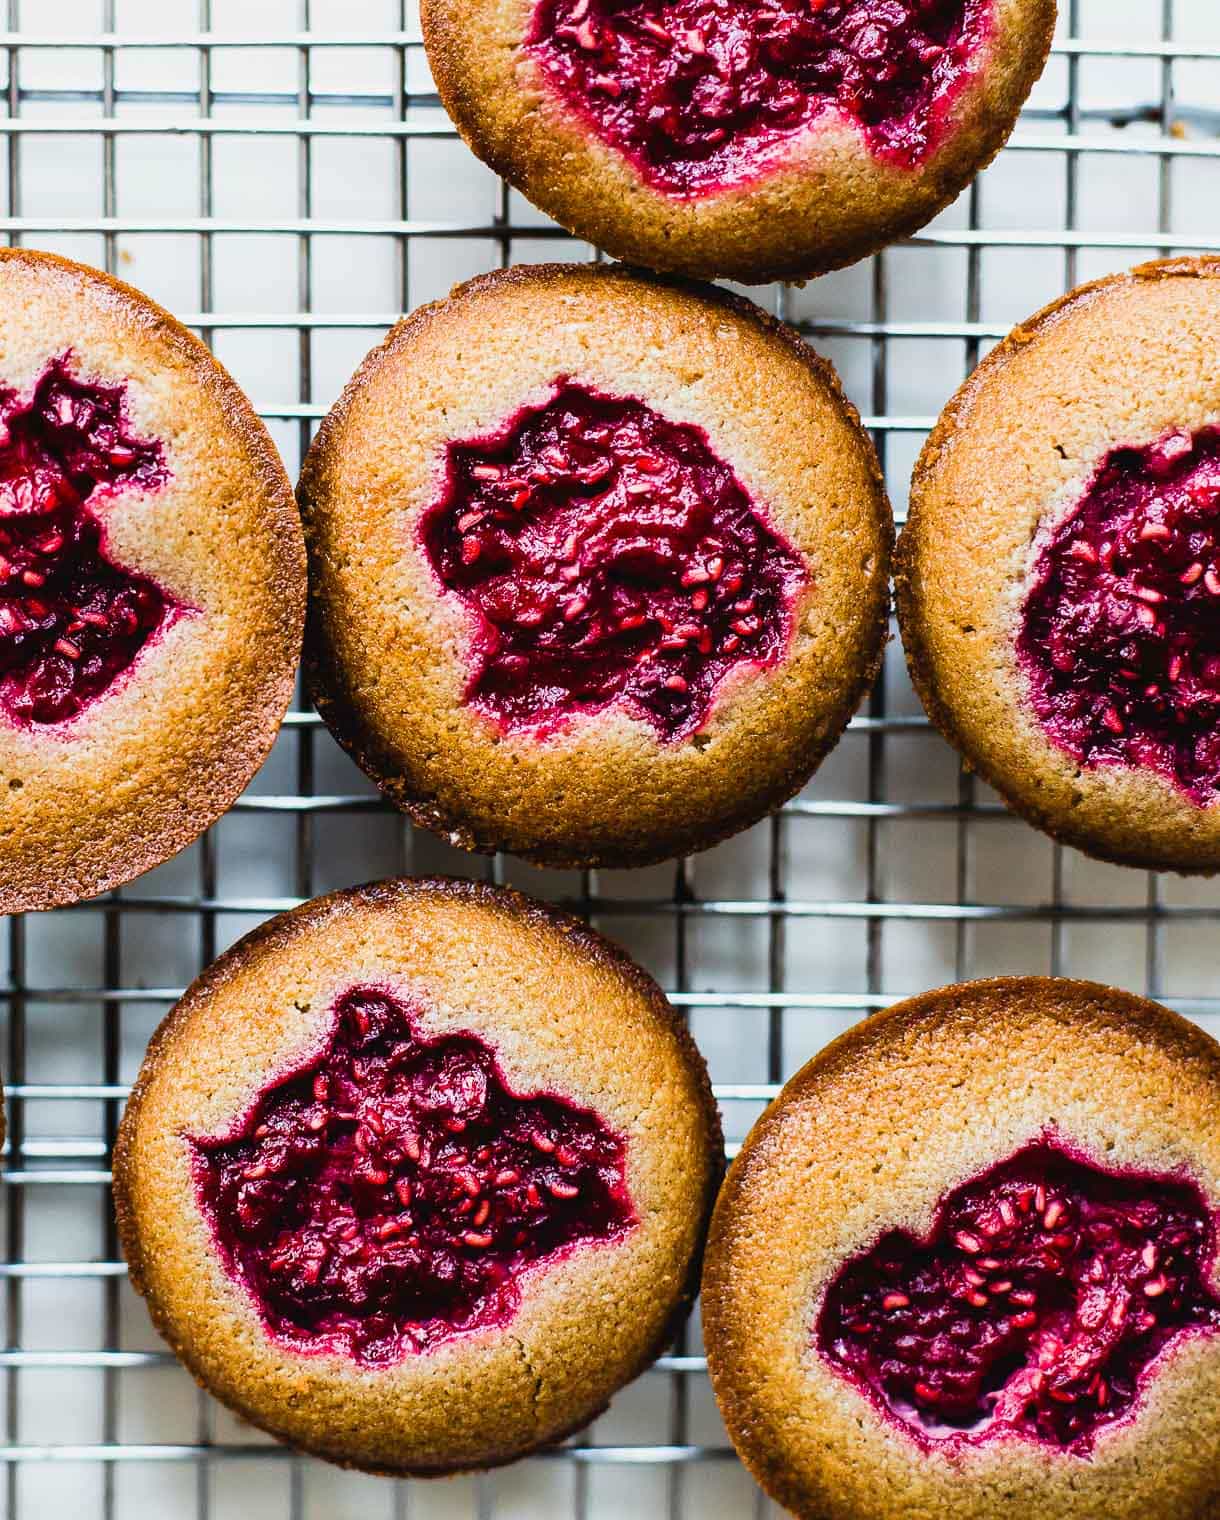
[
  {"x": 965, "y": 1265},
  {"x": 598, "y": 565},
  {"x": 152, "y": 584},
  {"x": 1059, "y": 575},
  {"x": 722, "y": 138},
  {"x": 417, "y": 1176}
]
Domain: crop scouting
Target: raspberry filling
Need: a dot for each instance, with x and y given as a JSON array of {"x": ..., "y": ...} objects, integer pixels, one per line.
[
  {"x": 611, "y": 555},
  {"x": 71, "y": 620},
  {"x": 1044, "y": 1292},
  {"x": 703, "y": 94},
  {"x": 1120, "y": 638},
  {"x": 391, "y": 1194}
]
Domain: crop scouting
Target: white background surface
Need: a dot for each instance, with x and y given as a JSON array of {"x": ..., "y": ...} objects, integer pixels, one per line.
[{"x": 872, "y": 862}]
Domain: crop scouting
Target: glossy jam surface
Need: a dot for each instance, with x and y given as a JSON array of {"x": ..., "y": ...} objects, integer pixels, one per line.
[
  {"x": 703, "y": 94},
  {"x": 71, "y": 620},
  {"x": 1046, "y": 1289},
  {"x": 611, "y": 556},
  {"x": 392, "y": 1194},
  {"x": 1120, "y": 633}
]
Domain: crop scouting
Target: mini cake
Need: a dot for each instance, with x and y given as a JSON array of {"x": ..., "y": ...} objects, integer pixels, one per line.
[
  {"x": 969, "y": 1257},
  {"x": 152, "y": 584},
  {"x": 1059, "y": 576},
  {"x": 417, "y": 1176},
  {"x": 598, "y": 565},
  {"x": 719, "y": 137}
]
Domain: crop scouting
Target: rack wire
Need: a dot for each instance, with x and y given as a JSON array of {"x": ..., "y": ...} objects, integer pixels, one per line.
[{"x": 257, "y": 165}]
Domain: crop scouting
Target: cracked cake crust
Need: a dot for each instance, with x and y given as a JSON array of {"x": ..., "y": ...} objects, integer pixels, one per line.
[
  {"x": 1125, "y": 361},
  {"x": 91, "y": 803},
  {"x": 869, "y": 1137},
  {"x": 565, "y": 1012},
  {"x": 829, "y": 201},
  {"x": 388, "y": 650}
]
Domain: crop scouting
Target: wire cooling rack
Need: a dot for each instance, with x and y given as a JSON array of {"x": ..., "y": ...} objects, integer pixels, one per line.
[{"x": 279, "y": 173}]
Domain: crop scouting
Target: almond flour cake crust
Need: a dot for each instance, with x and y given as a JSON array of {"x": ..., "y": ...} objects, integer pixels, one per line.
[
  {"x": 93, "y": 801},
  {"x": 390, "y": 650},
  {"x": 868, "y": 1138},
  {"x": 827, "y": 199},
  {"x": 566, "y": 1014},
  {"x": 1123, "y": 363}
]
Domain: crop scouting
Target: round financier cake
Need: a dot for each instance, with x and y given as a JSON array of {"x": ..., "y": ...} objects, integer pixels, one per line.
[
  {"x": 1059, "y": 577},
  {"x": 417, "y": 1176},
  {"x": 724, "y": 137},
  {"x": 599, "y": 565},
  {"x": 965, "y": 1266},
  {"x": 152, "y": 584}
]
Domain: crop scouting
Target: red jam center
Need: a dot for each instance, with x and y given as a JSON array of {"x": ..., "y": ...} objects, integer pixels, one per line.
[
  {"x": 1045, "y": 1290},
  {"x": 1120, "y": 639},
  {"x": 392, "y": 1194},
  {"x": 702, "y": 94},
  {"x": 71, "y": 620},
  {"x": 611, "y": 556}
]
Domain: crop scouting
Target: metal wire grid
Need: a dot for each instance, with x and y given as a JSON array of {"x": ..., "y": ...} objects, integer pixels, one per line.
[{"x": 884, "y": 794}]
